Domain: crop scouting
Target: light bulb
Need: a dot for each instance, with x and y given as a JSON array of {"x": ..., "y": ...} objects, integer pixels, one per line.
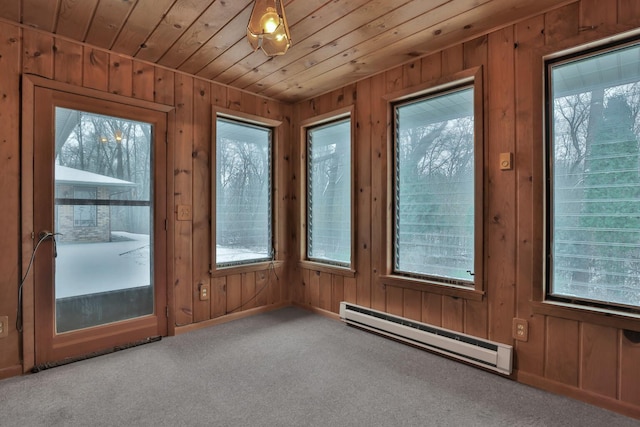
[{"x": 269, "y": 21}]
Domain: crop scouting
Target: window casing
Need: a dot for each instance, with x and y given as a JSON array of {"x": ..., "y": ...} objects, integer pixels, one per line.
[
  {"x": 329, "y": 209},
  {"x": 436, "y": 221},
  {"x": 243, "y": 203},
  {"x": 593, "y": 178}
]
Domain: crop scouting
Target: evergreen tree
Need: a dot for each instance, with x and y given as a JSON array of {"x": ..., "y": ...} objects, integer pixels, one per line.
[{"x": 611, "y": 207}]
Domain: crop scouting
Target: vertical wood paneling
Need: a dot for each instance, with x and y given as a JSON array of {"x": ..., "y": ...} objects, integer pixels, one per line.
[
  {"x": 68, "y": 62},
  {"x": 325, "y": 291},
  {"x": 262, "y": 287},
  {"x": 411, "y": 73},
  {"x": 306, "y": 286},
  {"x": 37, "y": 57},
  {"x": 183, "y": 196},
  {"x": 452, "y": 59},
  {"x": 562, "y": 23},
  {"x": 234, "y": 293},
  {"x": 29, "y": 51},
  {"x": 143, "y": 81},
  {"x": 95, "y": 69},
  {"x": 218, "y": 297},
  {"x": 248, "y": 291},
  {"x": 120, "y": 75},
  {"x": 529, "y": 35},
  {"x": 395, "y": 300},
  {"x": 500, "y": 223},
  {"x": 596, "y": 13},
  {"x": 561, "y": 352},
  {"x": 10, "y": 52},
  {"x": 164, "y": 86},
  {"x": 350, "y": 290},
  {"x": 475, "y": 54},
  {"x": 275, "y": 284},
  {"x": 201, "y": 194},
  {"x": 234, "y": 99},
  {"x": 629, "y": 372},
  {"x": 412, "y": 304},
  {"x": 453, "y": 313},
  {"x": 371, "y": 92},
  {"x": 338, "y": 293},
  {"x": 393, "y": 79},
  {"x": 362, "y": 186},
  {"x": 431, "y": 67},
  {"x": 314, "y": 288},
  {"x": 599, "y": 359},
  {"x": 629, "y": 12}
]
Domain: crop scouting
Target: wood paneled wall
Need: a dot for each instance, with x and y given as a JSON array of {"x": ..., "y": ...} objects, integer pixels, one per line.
[
  {"x": 578, "y": 354},
  {"x": 23, "y": 50},
  {"x": 583, "y": 356}
]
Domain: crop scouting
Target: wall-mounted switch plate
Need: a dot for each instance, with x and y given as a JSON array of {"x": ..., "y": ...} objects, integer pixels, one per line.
[{"x": 506, "y": 161}]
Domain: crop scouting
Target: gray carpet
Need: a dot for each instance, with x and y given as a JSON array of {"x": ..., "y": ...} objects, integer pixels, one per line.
[{"x": 284, "y": 368}]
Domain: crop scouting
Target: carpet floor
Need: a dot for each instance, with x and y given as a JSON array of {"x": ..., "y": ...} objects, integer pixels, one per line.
[{"x": 284, "y": 368}]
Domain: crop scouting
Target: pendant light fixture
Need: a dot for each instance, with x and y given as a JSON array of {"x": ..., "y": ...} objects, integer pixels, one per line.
[{"x": 268, "y": 29}]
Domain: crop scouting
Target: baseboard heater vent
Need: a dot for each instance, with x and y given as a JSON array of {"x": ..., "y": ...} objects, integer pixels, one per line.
[{"x": 480, "y": 352}]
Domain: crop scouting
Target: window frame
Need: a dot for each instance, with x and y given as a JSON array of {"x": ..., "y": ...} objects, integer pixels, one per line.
[
  {"x": 305, "y": 261},
  {"x": 275, "y": 128},
  {"x": 471, "y": 77},
  {"x": 544, "y": 301}
]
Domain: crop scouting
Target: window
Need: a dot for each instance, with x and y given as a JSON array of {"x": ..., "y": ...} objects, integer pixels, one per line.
[
  {"x": 243, "y": 192},
  {"x": 329, "y": 193},
  {"x": 593, "y": 171},
  {"x": 434, "y": 230},
  {"x": 85, "y": 215}
]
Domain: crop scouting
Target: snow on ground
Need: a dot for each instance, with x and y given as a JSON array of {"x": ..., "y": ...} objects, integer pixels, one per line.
[
  {"x": 225, "y": 254},
  {"x": 87, "y": 268}
]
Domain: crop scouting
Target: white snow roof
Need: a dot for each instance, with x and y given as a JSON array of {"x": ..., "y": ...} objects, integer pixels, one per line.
[{"x": 66, "y": 175}]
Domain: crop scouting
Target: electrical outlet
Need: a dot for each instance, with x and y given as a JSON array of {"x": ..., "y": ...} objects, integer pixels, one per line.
[
  {"x": 204, "y": 292},
  {"x": 4, "y": 326},
  {"x": 520, "y": 330}
]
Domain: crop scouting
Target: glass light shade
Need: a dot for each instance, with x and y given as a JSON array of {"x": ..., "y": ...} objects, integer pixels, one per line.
[
  {"x": 267, "y": 28},
  {"x": 254, "y": 40},
  {"x": 277, "y": 44}
]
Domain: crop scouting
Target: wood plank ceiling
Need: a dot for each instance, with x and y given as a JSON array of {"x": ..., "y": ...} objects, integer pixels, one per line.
[{"x": 335, "y": 42}]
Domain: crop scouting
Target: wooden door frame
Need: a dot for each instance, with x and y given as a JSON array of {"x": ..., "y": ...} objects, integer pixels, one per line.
[{"x": 29, "y": 85}]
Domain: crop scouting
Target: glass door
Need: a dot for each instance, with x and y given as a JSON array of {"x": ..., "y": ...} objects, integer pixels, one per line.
[
  {"x": 96, "y": 285},
  {"x": 103, "y": 216}
]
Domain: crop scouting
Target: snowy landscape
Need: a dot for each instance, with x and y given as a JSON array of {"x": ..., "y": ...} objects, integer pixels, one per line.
[{"x": 87, "y": 268}]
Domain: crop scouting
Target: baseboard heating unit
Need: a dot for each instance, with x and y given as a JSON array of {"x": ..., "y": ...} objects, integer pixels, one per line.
[{"x": 488, "y": 354}]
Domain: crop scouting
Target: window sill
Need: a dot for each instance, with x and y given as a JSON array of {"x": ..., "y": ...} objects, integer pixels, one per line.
[
  {"x": 433, "y": 287},
  {"x": 593, "y": 315},
  {"x": 245, "y": 268},
  {"x": 327, "y": 268}
]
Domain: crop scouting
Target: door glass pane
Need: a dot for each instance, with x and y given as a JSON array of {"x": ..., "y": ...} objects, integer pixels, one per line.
[{"x": 103, "y": 214}]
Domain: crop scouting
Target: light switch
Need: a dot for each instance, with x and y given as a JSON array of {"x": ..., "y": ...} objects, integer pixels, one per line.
[{"x": 506, "y": 161}]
